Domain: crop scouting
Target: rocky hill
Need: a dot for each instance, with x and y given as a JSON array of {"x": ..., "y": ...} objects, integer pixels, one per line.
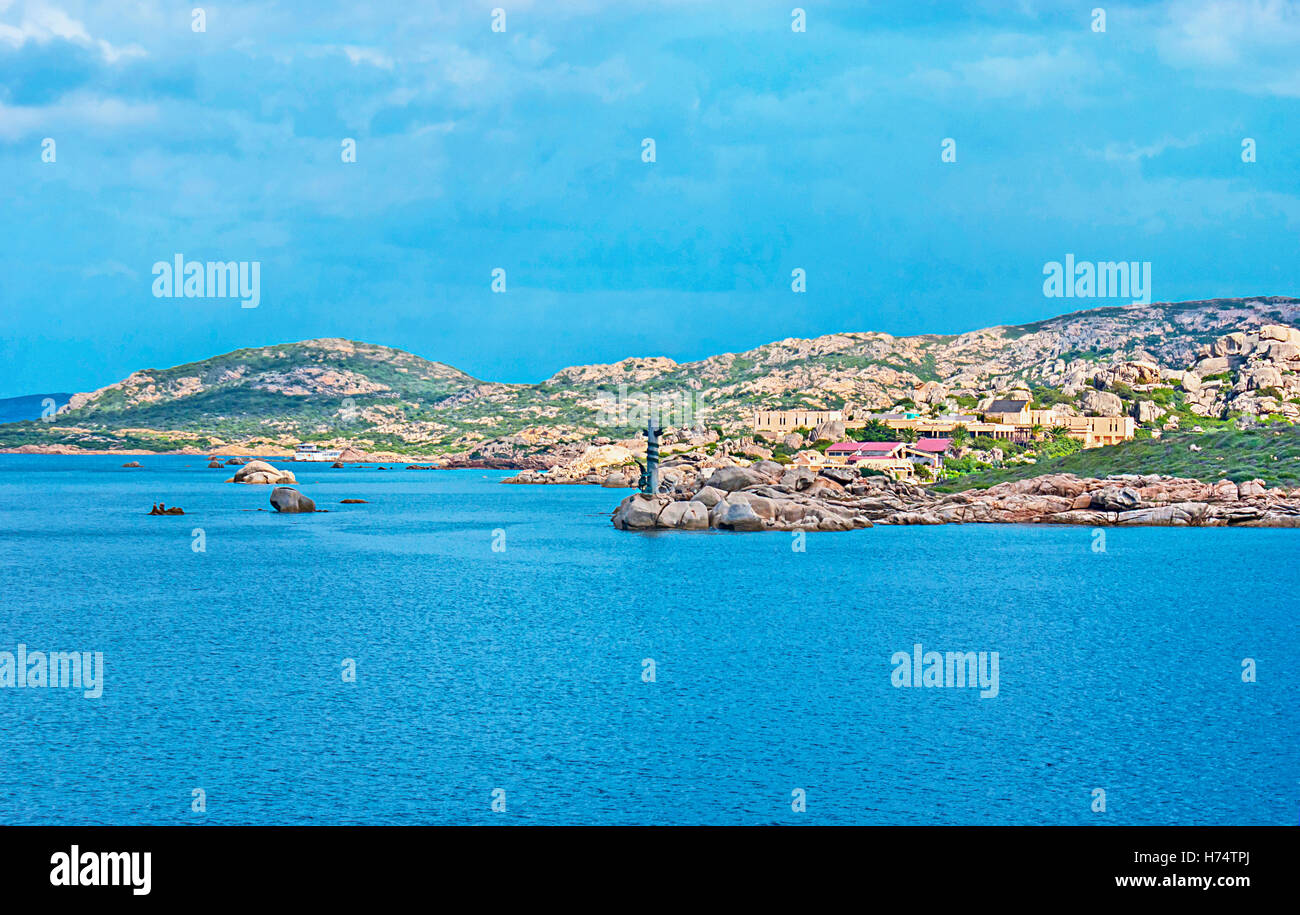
[{"x": 1221, "y": 359}]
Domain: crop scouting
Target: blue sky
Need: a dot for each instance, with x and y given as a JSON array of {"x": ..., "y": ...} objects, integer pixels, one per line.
[{"x": 522, "y": 150}]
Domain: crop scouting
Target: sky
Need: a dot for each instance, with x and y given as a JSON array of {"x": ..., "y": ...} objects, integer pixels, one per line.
[{"x": 522, "y": 150}]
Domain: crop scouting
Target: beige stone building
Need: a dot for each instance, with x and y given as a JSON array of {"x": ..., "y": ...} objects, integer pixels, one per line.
[
  {"x": 1093, "y": 431},
  {"x": 1008, "y": 420},
  {"x": 782, "y": 422}
]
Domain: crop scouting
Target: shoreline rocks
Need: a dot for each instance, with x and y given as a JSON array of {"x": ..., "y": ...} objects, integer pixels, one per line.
[
  {"x": 800, "y": 499},
  {"x": 611, "y": 466}
]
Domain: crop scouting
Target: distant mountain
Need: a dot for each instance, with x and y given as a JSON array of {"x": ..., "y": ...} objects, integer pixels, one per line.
[
  {"x": 380, "y": 399},
  {"x": 30, "y": 406}
]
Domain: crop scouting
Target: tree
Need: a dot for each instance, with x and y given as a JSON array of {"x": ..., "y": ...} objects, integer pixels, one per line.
[
  {"x": 875, "y": 431},
  {"x": 959, "y": 436}
]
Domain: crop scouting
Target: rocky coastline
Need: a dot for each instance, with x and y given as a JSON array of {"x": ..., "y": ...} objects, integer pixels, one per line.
[{"x": 767, "y": 496}]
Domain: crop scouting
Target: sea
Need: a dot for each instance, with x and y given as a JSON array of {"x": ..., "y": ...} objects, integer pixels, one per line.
[{"x": 458, "y": 651}]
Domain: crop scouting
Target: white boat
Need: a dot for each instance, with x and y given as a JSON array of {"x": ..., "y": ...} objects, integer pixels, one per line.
[{"x": 305, "y": 452}]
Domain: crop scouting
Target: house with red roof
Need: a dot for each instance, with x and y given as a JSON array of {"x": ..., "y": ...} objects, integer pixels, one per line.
[
  {"x": 887, "y": 457},
  {"x": 929, "y": 452}
]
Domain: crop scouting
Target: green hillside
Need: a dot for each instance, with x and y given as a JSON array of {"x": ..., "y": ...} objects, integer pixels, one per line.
[{"x": 1271, "y": 455}]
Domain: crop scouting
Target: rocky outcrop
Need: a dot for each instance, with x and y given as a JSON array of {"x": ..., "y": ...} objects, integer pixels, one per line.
[
  {"x": 1102, "y": 403},
  {"x": 599, "y": 465},
  {"x": 262, "y": 473},
  {"x": 803, "y": 500},
  {"x": 829, "y": 431},
  {"x": 160, "y": 509},
  {"x": 1147, "y": 412},
  {"x": 731, "y": 479},
  {"x": 290, "y": 501},
  {"x": 765, "y": 509}
]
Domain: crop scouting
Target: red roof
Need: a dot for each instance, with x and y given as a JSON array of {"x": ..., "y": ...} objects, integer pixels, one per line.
[
  {"x": 933, "y": 445},
  {"x": 878, "y": 446},
  {"x": 864, "y": 446}
]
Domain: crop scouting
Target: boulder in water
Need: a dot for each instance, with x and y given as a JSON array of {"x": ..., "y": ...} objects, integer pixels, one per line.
[
  {"x": 290, "y": 501},
  {"x": 260, "y": 472},
  {"x": 639, "y": 512}
]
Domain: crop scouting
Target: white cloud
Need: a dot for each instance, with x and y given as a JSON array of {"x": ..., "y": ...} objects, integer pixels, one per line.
[
  {"x": 74, "y": 111},
  {"x": 109, "y": 268},
  {"x": 371, "y": 56},
  {"x": 1135, "y": 152},
  {"x": 42, "y": 24},
  {"x": 1249, "y": 45},
  {"x": 1032, "y": 76}
]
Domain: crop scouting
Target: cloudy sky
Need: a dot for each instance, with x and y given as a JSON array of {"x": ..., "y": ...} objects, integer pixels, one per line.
[{"x": 522, "y": 150}]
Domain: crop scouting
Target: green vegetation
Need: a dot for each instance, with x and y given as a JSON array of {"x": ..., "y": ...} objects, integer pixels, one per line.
[
  {"x": 874, "y": 431},
  {"x": 1271, "y": 455},
  {"x": 1045, "y": 398}
]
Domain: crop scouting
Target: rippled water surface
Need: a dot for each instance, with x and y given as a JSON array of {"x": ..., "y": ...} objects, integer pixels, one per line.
[{"x": 522, "y": 669}]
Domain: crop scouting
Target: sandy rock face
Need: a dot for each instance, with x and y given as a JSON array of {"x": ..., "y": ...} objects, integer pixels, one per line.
[
  {"x": 830, "y": 431},
  {"x": 1102, "y": 403},
  {"x": 730, "y": 479},
  {"x": 735, "y": 515},
  {"x": 709, "y": 496},
  {"x": 686, "y": 516},
  {"x": 600, "y": 456}
]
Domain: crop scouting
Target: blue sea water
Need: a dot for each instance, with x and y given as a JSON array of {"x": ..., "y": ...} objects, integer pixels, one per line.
[{"x": 522, "y": 669}]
